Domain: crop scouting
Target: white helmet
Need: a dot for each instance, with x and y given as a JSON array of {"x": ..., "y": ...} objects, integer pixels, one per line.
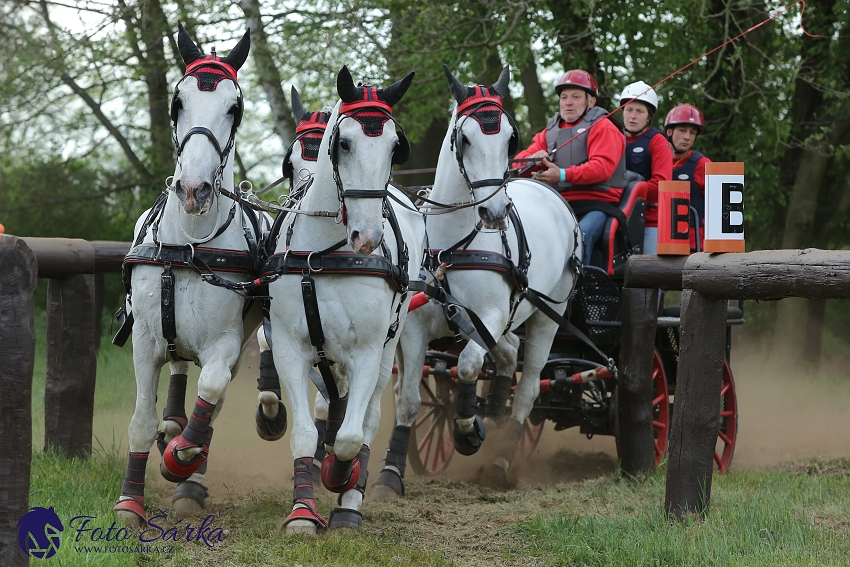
[{"x": 642, "y": 92}]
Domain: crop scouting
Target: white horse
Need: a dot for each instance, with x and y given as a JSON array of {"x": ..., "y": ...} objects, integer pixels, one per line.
[
  {"x": 473, "y": 165},
  {"x": 178, "y": 316},
  {"x": 333, "y": 308},
  {"x": 299, "y": 164}
]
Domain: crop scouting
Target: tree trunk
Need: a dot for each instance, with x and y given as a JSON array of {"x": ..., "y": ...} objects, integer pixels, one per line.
[
  {"x": 267, "y": 73},
  {"x": 152, "y": 30},
  {"x": 535, "y": 99},
  {"x": 575, "y": 33}
]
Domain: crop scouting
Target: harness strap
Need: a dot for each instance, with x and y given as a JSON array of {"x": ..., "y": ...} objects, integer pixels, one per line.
[
  {"x": 477, "y": 331},
  {"x": 537, "y": 298},
  {"x": 317, "y": 336},
  {"x": 169, "y": 325}
]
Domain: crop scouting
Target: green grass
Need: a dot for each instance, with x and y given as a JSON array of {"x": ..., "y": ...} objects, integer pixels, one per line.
[{"x": 773, "y": 518}]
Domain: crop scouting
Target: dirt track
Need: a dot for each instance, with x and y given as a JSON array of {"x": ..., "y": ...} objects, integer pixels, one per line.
[{"x": 783, "y": 416}]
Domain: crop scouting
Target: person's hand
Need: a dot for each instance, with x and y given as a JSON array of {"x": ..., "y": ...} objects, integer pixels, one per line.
[
  {"x": 540, "y": 154},
  {"x": 550, "y": 173}
]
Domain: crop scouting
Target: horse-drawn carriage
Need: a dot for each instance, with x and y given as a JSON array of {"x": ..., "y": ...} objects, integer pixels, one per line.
[{"x": 574, "y": 390}]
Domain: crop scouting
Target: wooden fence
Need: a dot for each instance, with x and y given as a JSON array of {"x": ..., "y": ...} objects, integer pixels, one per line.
[
  {"x": 707, "y": 282},
  {"x": 73, "y": 268}
]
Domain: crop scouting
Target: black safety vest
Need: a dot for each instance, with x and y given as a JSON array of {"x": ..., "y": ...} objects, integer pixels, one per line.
[
  {"x": 638, "y": 158},
  {"x": 685, "y": 172}
]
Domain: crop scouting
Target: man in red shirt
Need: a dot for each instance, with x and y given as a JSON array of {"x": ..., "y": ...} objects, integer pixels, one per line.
[
  {"x": 647, "y": 152},
  {"x": 582, "y": 154},
  {"x": 683, "y": 124}
]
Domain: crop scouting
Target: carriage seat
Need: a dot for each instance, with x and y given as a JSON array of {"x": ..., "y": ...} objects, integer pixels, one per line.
[{"x": 610, "y": 254}]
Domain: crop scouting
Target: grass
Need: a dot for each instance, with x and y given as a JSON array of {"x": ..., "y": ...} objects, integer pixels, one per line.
[{"x": 795, "y": 516}]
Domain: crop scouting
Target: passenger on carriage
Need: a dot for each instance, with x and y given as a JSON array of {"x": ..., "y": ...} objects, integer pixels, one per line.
[
  {"x": 590, "y": 171},
  {"x": 647, "y": 152},
  {"x": 683, "y": 124}
]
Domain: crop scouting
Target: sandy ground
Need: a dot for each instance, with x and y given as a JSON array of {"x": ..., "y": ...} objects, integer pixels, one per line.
[{"x": 784, "y": 416}]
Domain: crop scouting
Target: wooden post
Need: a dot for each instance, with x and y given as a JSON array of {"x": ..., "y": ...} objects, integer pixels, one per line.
[
  {"x": 696, "y": 411},
  {"x": 18, "y": 271},
  {"x": 71, "y": 365},
  {"x": 635, "y": 442}
]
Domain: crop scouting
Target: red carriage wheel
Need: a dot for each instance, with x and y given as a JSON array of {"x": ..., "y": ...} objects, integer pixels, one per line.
[
  {"x": 660, "y": 408},
  {"x": 531, "y": 433},
  {"x": 728, "y": 431},
  {"x": 431, "y": 446}
]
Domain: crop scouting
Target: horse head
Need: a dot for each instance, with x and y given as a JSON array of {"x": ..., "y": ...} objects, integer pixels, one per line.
[
  {"x": 483, "y": 136},
  {"x": 363, "y": 146},
  {"x": 302, "y": 155},
  {"x": 206, "y": 109}
]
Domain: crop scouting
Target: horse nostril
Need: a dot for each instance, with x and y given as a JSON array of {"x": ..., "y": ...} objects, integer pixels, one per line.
[
  {"x": 355, "y": 234},
  {"x": 180, "y": 191},
  {"x": 203, "y": 191},
  {"x": 484, "y": 213}
]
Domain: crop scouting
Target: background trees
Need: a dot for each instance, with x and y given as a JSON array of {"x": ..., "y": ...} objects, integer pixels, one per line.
[{"x": 85, "y": 87}]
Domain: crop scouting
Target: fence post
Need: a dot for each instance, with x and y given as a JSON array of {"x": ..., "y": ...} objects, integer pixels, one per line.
[
  {"x": 71, "y": 365},
  {"x": 696, "y": 411},
  {"x": 18, "y": 278},
  {"x": 635, "y": 442}
]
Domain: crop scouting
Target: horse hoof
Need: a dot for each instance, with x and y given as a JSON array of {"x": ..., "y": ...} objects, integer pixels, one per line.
[
  {"x": 388, "y": 486},
  {"x": 175, "y": 469},
  {"x": 468, "y": 442},
  {"x": 329, "y": 483},
  {"x": 189, "y": 499},
  {"x": 271, "y": 428},
  {"x": 130, "y": 513},
  {"x": 495, "y": 476},
  {"x": 168, "y": 430},
  {"x": 304, "y": 521},
  {"x": 345, "y": 518}
]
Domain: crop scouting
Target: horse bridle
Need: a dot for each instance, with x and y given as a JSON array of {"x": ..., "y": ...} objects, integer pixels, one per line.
[
  {"x": 237, "y": 119},
  {"x": 464, "y": 112},
  {"x": 333, "y": 152}
]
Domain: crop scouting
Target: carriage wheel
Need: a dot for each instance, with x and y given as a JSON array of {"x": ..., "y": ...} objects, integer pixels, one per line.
[
  {"x": 431, "y": 446},
  {"x": 660, "y": 408},
  {"x": 728, "y": 431},
  {"x": 531, "y": 433}
]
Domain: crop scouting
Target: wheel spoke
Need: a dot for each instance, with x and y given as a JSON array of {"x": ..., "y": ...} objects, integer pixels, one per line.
[
  {"x": 425, "y": 416},
  {"x": 724, "y": 437},
  {"x": 717, "y": 459},
  {"x": 729, "y": 413},
  {"x": 427, "y": 387},
  {"x": 658, "y": 400},
  {"x": 724, "y": 390},
  {"x": 659, "y": 425},
  {"x": 428, "y": 436}
]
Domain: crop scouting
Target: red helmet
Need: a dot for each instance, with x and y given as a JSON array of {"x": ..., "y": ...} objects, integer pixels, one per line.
[
  {"x": 686, "y": 115},
  {"x": 579, "y": 79}
]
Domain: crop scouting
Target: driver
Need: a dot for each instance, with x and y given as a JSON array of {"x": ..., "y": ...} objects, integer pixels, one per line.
[
  {"x": 647, "y": 152},
  {"x": 590, "y": 171}
]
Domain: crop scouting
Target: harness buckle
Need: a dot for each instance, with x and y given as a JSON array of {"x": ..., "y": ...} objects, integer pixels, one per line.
[{"x": 309, "y": 266}]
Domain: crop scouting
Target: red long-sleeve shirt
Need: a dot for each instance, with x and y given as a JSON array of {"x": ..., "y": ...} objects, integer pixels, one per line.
[
  {"x": 662, "y": 170},
  {"x": 605, "y": 147}
]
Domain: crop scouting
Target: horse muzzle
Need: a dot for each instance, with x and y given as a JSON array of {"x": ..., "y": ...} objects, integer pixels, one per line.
[
  {"x": 196, "y": 198},
  {"x": 493, "y": 221}
]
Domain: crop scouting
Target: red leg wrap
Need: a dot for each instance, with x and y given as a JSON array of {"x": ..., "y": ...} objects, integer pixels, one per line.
[{"x": 334, "y": 474}]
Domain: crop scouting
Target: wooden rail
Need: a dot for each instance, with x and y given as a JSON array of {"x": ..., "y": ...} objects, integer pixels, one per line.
[
  {"x": 707, "y": 281},
  {"x": 72, "y": 267}
]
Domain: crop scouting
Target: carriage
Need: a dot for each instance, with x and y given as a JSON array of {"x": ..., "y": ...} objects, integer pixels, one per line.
[{"x": 574, "y": 391}]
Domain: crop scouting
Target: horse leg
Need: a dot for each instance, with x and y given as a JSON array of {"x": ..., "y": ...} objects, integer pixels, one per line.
[
  {"x": 190, "y": 496},
  {"x": 341, "y": 470},
  {"x": 505, "y": 354},
  {"x": 320, "y": 413},
  {"x": 348, "y": 515},
  {"x": 185, "y": 454},
  {"x": 130, "y": 508},
  {"x": 540, "y": 330},
  {"x": 410, "y": 357},
  {"x": 305, "y": 517},
  {"x": 174, "y": 414},
  {"x": 270, "y": 417},
  {"x": 469, "y": 431}
]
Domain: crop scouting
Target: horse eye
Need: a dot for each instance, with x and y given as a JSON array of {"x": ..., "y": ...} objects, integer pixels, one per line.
[
  {"x": 344, "y": 145},
  {"x": 465, "y": 140},
  {"x": 233, "y": 110}
]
